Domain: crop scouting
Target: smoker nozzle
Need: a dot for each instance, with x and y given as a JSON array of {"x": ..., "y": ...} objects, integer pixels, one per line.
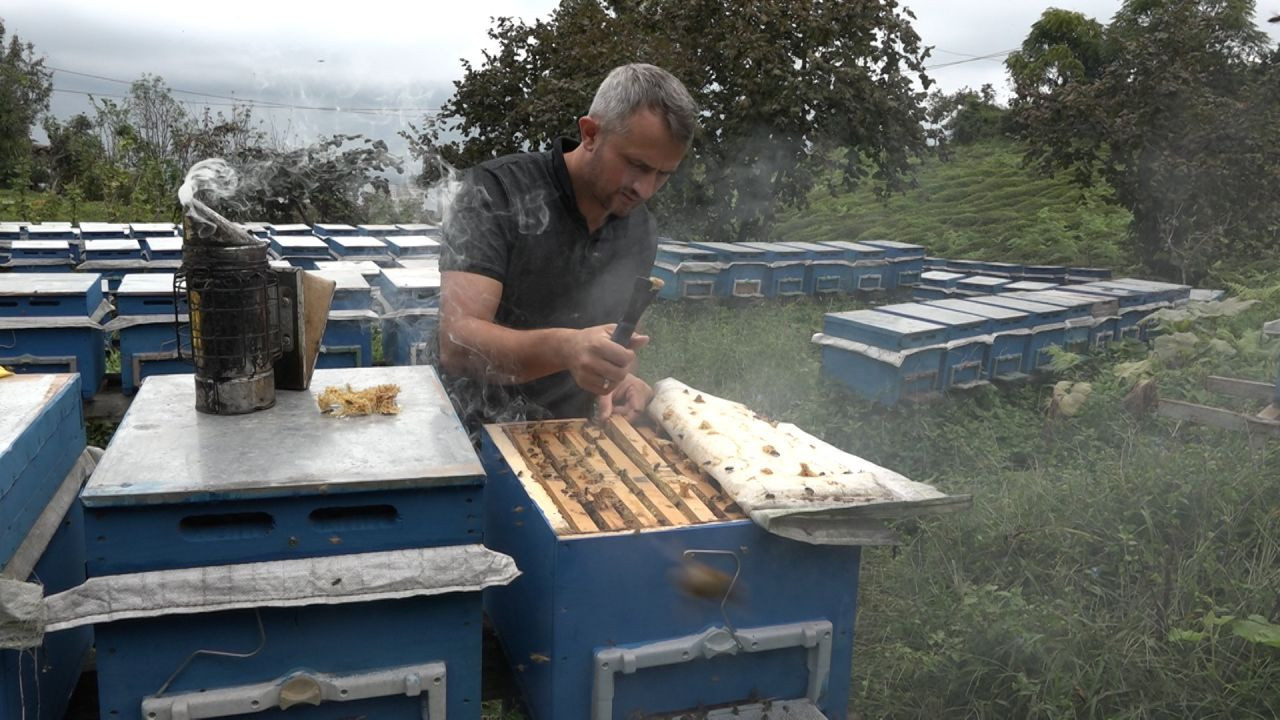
[{"x": 643, "y": 292}]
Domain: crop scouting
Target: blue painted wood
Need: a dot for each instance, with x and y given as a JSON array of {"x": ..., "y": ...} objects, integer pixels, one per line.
[
  {"x": 136, "y": 657},
  {"x": 57, "y": 350},
  {"x": 31, "y": 295},
  {"x": 747, "y": 274},
  {"x": 1103, "y": 310},
  {"x": 114, "y": 249},
  {"x": 37, "y": 685},
  {"x": 577, "y": 594},
  {"x": 409, "y": 338},
  {"x": 964, "y": 361},
  {"x": 327, "y": 230},
  {"x": 347, "y": 343},
  {"x": 151, "y": 339},
  {"x": 1008, "y": 326},
  {"x": 404, "y": 288},
  {"x": 1043, "y": 319},
  {"x": 787, "y": 271}
]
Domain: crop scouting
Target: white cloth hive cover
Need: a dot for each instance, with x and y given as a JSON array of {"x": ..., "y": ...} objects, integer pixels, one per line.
[
  {"x": 788, "y": 481},
  {"x": 332, "y": 580}
]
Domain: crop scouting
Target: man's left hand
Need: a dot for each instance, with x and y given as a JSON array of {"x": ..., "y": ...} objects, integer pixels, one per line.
[{"x": 629, "y": 399}]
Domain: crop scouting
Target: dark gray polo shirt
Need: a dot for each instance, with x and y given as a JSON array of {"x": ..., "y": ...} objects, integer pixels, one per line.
[{"x": 515, "y": 219}]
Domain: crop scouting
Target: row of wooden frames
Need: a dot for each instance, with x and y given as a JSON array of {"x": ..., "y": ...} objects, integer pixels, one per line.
[{"x": 612, "y": 476}]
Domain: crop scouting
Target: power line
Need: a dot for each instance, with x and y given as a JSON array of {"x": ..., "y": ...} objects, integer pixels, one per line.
[
  {"x": 376, "y": 112},
  {"x": 974, "y": 58},
  {"x": 253, "y": 102}
]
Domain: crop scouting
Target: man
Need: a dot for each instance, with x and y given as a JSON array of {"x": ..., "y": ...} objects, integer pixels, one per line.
[{"x": 540, "y": 254}]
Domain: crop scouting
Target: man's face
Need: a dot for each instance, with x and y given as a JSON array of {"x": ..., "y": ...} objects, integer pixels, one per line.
[{"x": 627, "y": 166}]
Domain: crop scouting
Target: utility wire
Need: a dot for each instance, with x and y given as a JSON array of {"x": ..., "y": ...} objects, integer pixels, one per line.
[
  {"x": 974, "y": 58},
  {"x": 253, "y": 102}
]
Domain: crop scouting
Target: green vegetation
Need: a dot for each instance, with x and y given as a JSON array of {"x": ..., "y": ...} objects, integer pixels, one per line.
[
  {"x": 1110, "y": 566},
  {"x": 982, "y": 204}
]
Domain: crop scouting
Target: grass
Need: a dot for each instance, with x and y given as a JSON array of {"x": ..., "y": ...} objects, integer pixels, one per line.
[
  {"x": 981, "y": 204},
  {"x": 1100, "y": 552}
]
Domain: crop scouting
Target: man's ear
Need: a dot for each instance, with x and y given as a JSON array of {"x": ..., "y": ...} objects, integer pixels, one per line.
[{"x": 589, "y": 131}]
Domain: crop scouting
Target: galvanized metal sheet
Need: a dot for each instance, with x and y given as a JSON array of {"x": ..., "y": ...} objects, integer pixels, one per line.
[
  {"x": 940, "y": 275},
  {"x": 730, "y": 248},
  {"x": 974, "y": 308},
  {"x": 367, "y": 268},
  {"x": 111, "y": 245},
  {"x": 146, "y": 284},
  {"x": 289, "y": 228},
  {"x": 358, "y": 241},
  {"x": 894, "y": 244},
  {"x": 886, "y": 321},
  {"x": 101, "y": 227},
  {"x": 165, "y": 451},
  {"x": 298, "y": 242},
  {"x": 151, "y": 227},
  {"x": 28, "y": 284},
  {"x": 164, "y": 244},
  {"x": 857, "y": 246},
  {"x": 413, "y": 278},
  {"x": 985, "y": 280},
  {"x": 940, "y": 316},
  {"x": 22, "y": 399},
  {"x": 776, "y": 248},
  {"x": 418, "y": 227},
  {"x": 41, "y": 245},
  {"x": 413, "y": 241}
]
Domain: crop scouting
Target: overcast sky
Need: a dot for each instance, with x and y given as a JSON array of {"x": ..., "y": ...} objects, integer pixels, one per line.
[{"x": 378, "y": 64}]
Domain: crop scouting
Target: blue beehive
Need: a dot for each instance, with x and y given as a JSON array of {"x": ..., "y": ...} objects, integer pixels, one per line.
[
  {"x": 687, "y": 273},
  {"x": 42, "y": 532},
  {"x": 1134, "y": 305},
  {"x": 380, "y": 231},
  {"x": 367, "y": 268},
  {"x": 348, "y": 335},
  {"x": 966, "y": 267},
  {"x": 328, "y": 230},
  {"x": 746, "y": 273},
  {"x": 1009, "y": 271},
  {"x": 163, "y": 249},
  {"x": 882, "y": 356},
  {"x": 103, "y": 231},
  {"x": 787, "y": 269},
  {"x": 288, "y": 229},
  {"x": 50, "y": 322},
  {"x": 1087, "y": 274},
  {"x": 411, "y": 315},
  {"x": 592, "y": 642},
  {"x": 935, "y": 263},
  {"x": 1046, "y": 273},
  {"x": 113, "y": 259},
  {"x": 870, "y": 268},
  {"x": 1046, "y": 324},
  {"x": 300, "y": 250},
  {"x": 141, "y": 231},
  {"x": 1156, "y": 292},
  {"x": 148, "y": 318},
  {"x": 982, "y": 284},
  {"x": 112, "y": 249},
  {"x": 419, "y": 229},
  {"x": 1029, "y": 286},
  {"x": 1091, "y": 319},
  {"x": 41, "y": 256},
  {"x": 8, "y": 233},
  {"x": 967, "y": 346},
  {"x": 829, "y": 271},
  {"x": 356, "y": 247},
  {"x": 906, "y": 262},
  {"x": 1010, "y": 333},
  {"x": 180, "y": 489},
  {"x": 412, "y": 245}
]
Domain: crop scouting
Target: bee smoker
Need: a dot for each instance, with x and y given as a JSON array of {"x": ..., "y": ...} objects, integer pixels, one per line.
[{"x": 233, "y": 301}]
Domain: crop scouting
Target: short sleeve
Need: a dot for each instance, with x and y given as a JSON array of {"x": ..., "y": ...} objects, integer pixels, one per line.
[{"x": 477, "y": 236}]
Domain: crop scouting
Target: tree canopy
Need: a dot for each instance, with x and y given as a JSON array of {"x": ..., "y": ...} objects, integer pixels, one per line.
[
  {"x": 1176, "y": 105},
  {"x": 790, "y": 90},
  {"x": 25, "y": 86}
]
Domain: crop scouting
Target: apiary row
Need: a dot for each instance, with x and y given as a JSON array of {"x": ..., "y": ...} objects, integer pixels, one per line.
[
  {"x": 909, "y": 350},
  {"x": 287, "y": 563},
  {"x": 745, "y": 270},
  {"x": 65, "y": 322}
]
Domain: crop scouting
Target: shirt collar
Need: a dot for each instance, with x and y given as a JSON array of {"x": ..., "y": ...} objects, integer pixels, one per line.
[{"x": 560, "y": 171}]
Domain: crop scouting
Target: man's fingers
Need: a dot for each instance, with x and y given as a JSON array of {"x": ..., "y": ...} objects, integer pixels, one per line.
[
  {"x": 638, "y": 341},
  {"x": 604, "y": 406}
]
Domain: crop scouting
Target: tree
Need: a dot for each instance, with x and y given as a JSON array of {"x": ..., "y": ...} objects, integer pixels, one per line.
[
  {"x": 968, "y": 116},
  {"x": 789, "y": 90},
  {"x": 1174, "y": 105},
  {"x": 323, "y": 181},
  {"x": 25, "y": 86},
  {"x": 75, "y": 156}
]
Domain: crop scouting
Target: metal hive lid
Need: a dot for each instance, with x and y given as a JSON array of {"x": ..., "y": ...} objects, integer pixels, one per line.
[
  {"x": 993, "y": 312},
  {"x": 167, "y": 452},
  {"x": 27, "y": 284},
  {"x": 146, "y": 284},
  {"x": 937, "y": 315}
]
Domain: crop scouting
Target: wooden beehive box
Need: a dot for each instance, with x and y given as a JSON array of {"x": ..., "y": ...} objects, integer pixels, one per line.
[{"x": 611, "y": 477}]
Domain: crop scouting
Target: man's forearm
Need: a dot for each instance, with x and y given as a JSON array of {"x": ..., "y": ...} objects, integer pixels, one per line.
[{"x": 486, "y": 350}]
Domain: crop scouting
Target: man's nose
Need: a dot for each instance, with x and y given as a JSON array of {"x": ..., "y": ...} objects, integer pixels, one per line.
[{"x": 645, "y": 185}]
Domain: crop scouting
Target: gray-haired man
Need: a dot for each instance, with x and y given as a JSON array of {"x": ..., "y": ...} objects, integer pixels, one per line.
[{"x": 540, "y": 250}]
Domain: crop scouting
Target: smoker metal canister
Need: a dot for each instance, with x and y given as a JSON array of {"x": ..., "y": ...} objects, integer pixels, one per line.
[{"x": 234, "y": 326}]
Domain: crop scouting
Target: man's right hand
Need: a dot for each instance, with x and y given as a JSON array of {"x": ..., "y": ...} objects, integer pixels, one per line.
[{"x": 596, "y": 362}]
